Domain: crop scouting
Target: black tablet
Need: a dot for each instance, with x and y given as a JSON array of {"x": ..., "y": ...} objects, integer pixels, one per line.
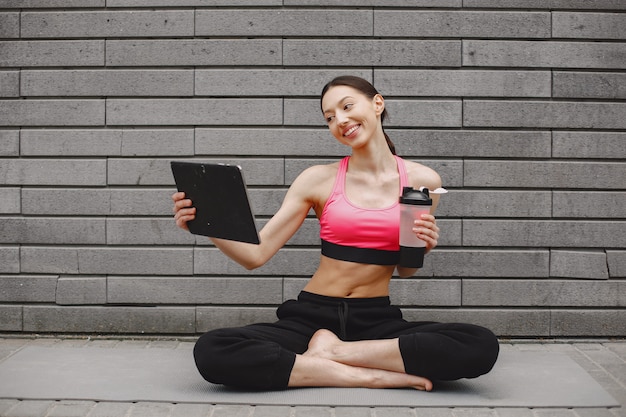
[{"x": 218, "y": 192}]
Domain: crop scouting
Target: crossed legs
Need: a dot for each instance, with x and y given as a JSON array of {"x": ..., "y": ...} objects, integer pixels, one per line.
[{"x": 330, "y": 361}]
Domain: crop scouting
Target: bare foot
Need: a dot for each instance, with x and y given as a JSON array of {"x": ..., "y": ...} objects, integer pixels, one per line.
[
  {"x": 358, "y": 369},
  {"x": 323, "y": 345}
]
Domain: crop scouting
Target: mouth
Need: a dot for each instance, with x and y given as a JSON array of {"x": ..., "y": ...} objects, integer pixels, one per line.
[{"x": 351, "y": 130}]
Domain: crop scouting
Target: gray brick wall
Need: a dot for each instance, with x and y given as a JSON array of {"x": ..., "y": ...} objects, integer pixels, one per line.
[{"x": 519, "y": 105}]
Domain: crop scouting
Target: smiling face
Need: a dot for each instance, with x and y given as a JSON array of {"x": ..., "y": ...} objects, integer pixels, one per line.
[{"x": 352, "y": 117}]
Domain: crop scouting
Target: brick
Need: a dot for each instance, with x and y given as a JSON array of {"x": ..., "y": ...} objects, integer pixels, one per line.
[
  {"x": 284, "y": 22},
  {"x": 451, "y": 230},
  {"x": 135, "y": 261},
  {"x": 66, "y": 408},
  {"x": 194, "y": 111},
  {"x": 134, "y": 231},
  {"x": 81, "y": 290},
  {"x": 484, "y": 53},
  {"x": 546, "y": 293},
  {"x": 600, "y": 204},
  {"x": 209, "y": 318},
  {"x": 31, "y": 408},
  {"x": 592, "y": 145},
  {"x": 23, "y": 288},
  {"x": 9, "y": 142},
  {"x": 10, "y": 202},
  {"x": 213, "y": 52},
  {"x": 267, "y": 142},
  {"x": 258, "y": 171},
  {"x": 284, "y": 411},
  {"x": 51, "y": 53},
  {"x": 107, "y": 409},
  {"x": 386, "y": 3},
  {"x": 579, "y": 264},
  {"x": 161, "y": 142},
  {"x": 191, "y": 410},
  {"x": 466, "y": 83},
  {"x": 9, "y": 259},
  {"x": 426, "y": 292},
  {"x": 52, "y": 112},
  {"x": 486, "y": 263},
  {"x": 461, "y": 24},
  {"x": 9, "y": 82},
  {"x": 109, "y": 142},
  {"x": 54, "y": 201},
  {"x": 104, "y": 24},
  {"x": 588, "y": 25},
  {"x": 48, "y": 230},
  {"x": 497, "y": 203},
  {"x": 588, "y": 323},
  {"x": 107, "y": 83},
  {"x": 544, "y": 233},
  {"x": 203, "y": 3},
  {"x": 371, "y": 52},
  {"x": 49, "y": 260},
  {"x": 552, "y": 174},
  {"x": 616, "y": 260},
  {"x": 27, "y": 4},
  {"x": 550, "y": 4},
  {"x": 142, "y": 202},
  {"x": 503, "y": 322},
  {"x": 174, "y": 320},
  {"x": 56, "y": 142},
  {"x": 544, "y": 114},
  {"x": 210, "y": 261},
  {"x": 196, "y": 290},
  {"x": 267, "y": 82},
  {"x": 10, "y": 318},
  {"x": 53, "y": 172},
  {"x": 9, "y": 25},
  {"x": 406, "y": 113},
  {"x": 602, "y": 85}
]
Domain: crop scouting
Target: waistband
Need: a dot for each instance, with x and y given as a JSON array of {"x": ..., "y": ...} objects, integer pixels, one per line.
[
  {"x": 343, "y": 301},
  {"x": 360, "y": 255}
]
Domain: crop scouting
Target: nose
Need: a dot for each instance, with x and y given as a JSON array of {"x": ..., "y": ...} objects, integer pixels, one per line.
[{"x": 341, "y": 117}]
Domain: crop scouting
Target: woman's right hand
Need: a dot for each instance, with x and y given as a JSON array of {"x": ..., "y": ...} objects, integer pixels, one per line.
[{"x": 183, "y": 210}]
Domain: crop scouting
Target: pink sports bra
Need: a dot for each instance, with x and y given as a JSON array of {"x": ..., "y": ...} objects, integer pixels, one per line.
[{"x": 357, "y": 234}]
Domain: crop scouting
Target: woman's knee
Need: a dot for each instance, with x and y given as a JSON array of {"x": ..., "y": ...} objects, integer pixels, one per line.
[
  {"x": 211, "y": 355},
  {"x": 485, "y": 352}
]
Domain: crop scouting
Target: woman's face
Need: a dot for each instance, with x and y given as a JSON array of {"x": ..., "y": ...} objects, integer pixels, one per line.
[{"x": 352, "y": 117}]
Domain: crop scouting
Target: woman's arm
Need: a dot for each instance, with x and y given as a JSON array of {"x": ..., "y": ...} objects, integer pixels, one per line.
[{"x": 279, "y": 229}]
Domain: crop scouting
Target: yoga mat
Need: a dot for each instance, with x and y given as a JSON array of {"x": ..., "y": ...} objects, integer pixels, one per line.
[{"x": 519, "y": 379}]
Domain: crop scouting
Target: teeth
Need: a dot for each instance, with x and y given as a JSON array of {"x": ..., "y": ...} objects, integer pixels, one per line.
[{"x": 349, "y": 132}]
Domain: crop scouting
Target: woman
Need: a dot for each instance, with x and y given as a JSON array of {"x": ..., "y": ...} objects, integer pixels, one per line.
[{"x": 342, "y": 330}]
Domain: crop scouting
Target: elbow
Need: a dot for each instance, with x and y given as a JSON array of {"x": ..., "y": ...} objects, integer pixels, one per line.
[
  {"x": 406, "y": 272},
  {"x": 253, "y": 263}
]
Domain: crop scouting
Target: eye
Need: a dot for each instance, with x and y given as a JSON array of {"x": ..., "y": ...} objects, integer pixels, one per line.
[
  {"x": 329, "y": 119},
  {"x": 347, "y": 106}
]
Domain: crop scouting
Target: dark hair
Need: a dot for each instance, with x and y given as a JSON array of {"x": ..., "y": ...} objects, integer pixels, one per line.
[{"x": 364, "y": 87}]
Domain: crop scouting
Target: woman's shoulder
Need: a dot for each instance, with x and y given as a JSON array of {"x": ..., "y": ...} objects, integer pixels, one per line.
[
  {"x": 319, "y": 173},
  {"x": 421, "y": 175}
]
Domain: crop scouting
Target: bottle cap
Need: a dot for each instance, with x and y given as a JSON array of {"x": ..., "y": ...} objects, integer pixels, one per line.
[{"x": 419, "y": 197}]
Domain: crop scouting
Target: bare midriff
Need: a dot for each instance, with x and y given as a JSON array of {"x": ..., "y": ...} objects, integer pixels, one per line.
[{"x": 335, "y": 278}]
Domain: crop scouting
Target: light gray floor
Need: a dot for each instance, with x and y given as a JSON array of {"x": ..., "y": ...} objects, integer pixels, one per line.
[{"x": 604, "y": 360}]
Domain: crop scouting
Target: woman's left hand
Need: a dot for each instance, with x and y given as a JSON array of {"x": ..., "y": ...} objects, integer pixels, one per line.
[{"x": 426, "y": 229}]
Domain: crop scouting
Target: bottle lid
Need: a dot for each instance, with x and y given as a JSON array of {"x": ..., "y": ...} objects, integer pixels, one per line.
[{"x": 419, "y": 197}]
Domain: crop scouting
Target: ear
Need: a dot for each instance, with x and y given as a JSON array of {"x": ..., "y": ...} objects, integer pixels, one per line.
[{"x": 379, "y": 104}]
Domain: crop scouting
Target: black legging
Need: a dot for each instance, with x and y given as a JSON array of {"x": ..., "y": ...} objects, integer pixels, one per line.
[{"x": 261, "y": 356}]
